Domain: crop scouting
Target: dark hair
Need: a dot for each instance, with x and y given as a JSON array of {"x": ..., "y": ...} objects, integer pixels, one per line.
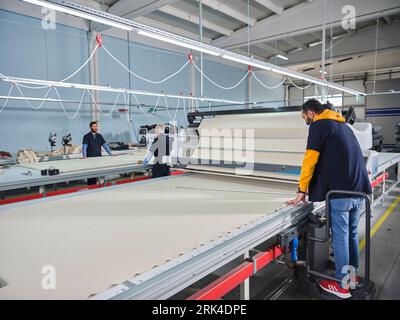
[
  {"x": 329, "y": 106},
  {"x": 313, "y": 105},
  {"x": 92, "y": 123}
]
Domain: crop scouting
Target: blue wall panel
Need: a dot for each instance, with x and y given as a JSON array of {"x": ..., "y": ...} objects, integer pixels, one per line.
[{"x": 31, "y": 52}]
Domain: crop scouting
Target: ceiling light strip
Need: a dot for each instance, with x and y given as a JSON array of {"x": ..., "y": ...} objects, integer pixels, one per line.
[{"x": 110, "y": 89}]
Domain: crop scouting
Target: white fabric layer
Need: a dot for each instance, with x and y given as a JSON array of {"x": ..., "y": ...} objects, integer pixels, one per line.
[
  {"x": 95, "y": 240},
  {"x": 263, "y": 138},
  {"x": 88, "y": 163}
]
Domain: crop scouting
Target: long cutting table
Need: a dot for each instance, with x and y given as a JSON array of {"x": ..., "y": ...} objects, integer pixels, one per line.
[
  {"x": 98, "y": 239},
  {"x": 29, "y": 175},
  {"x": 151, "y": 239}
]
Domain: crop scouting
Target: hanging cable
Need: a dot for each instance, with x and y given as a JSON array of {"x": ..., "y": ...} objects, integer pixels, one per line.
[
  {"x": 177, "y": 108},
  {"x": 63, "y": 80},
  {"x": 155, "y": 107},
  {"x": 166, "y": 104},
  {"x": 216, "y": 84},
  {"x": 248, "y": 27},
  {"x": 142, "y": 78},
  {"x": 139, "y": 105},
  {"x": 376, "y": 52},
  {"x": 298, "y": 87},
  {"x": 62, "y": 105},
  {"x": 141, "y": 109},
  {"x": 97, "y": 105},
  {"x": 8, "y": 98},
  {"x": 113, "y": 107},
  {"x": 28, "y": 102},
  {"x": 266, "y": 86},
  {"x": 184, "y": 106}
]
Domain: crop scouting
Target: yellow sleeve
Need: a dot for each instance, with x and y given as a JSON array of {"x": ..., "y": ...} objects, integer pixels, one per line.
[{"x": 307, "y": 169}]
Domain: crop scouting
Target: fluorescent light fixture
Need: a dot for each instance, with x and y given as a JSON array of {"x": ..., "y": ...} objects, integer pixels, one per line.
[
  {"x": 314, "y": 44},
  {"x": 177, "y": 42},
  {"x": 246, "y": 62},
  {"x": 109, "y": 89},
  {"x": 288, "y": 73},
  {"x": 79, "y": 14},
  {"x": 282, "y": 57},
  {"x": 341, "y": 88}
]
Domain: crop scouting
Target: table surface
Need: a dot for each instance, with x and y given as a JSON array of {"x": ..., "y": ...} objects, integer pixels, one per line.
[
  {"x": 74, "y": 165},
  {"x": 97, "y": 239},
  {"x": 25, "y": 174},
  {"x": 386, "y": 159}
]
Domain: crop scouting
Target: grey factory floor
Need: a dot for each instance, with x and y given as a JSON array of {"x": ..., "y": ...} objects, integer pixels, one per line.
[{"x": 385, "y": 250}]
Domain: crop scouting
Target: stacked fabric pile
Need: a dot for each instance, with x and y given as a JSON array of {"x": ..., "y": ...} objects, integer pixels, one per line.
[
  {"x": 26, "y": 156},
  {"x": 72, "y": 149},
  {"x": 265, "y": 144}
]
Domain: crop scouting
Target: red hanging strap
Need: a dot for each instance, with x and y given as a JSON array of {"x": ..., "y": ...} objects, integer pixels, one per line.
[
  {"x": 99, "y": 40},
  {"x": 190, "y": 56}
]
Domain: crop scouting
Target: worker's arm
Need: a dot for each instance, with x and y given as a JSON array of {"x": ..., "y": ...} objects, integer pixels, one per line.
[
  {"x": 85, "y": 143},
  {"x": 84, "y": 150},
  {"x": 107, "y": 148},
  {"x": 105, "y": 145},
  {"x": 315, "y": 143},
  {"x": 151, "y": 151},
  {"x": 307, "y": 169},
  {"x": 148, "y": 157}
]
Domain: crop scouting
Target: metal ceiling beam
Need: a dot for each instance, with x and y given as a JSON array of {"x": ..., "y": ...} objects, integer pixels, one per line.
[
  {"x": 316, "y": 35},
  {"x": 178, "y": 13},
  {"x": 271, "y": 49},
  {"x": 169, "y": 28},
  {"x": 229, "y": 11},
  {"x": 388, "y": 19},
  {"x": 130, "y": 9},
  {"x": 270, "y": 5},
  {"x": 295, "y": 43},
  {"x": 245, "y": 53},
  {"x": 296, "y": 21},
  {"x": 360, "y": 42}
]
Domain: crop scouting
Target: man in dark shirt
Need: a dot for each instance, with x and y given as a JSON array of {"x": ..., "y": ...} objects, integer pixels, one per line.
[
  {"x": 92, "y": 144},
  {"x": 334, "y": 161},
  {"x": 160, "y": 148}
]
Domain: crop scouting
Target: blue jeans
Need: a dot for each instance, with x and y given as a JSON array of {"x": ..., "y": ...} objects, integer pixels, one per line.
[{"x": 345, "y": 215}]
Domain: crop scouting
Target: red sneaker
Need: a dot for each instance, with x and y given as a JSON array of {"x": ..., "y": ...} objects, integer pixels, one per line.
[{"x": 333, "y": 288}]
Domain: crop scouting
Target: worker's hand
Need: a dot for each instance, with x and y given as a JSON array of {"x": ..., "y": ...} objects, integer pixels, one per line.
[
  {"x": 139, "y": 161},
  {"x": 300, "y": 197}
]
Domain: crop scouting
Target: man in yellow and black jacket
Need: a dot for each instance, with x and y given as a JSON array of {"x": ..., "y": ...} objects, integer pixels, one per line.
[{"x": 334, "y": 161}]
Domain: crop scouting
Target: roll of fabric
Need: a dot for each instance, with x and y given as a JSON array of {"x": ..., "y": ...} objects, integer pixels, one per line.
[{"x": 263, "y": 139}]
